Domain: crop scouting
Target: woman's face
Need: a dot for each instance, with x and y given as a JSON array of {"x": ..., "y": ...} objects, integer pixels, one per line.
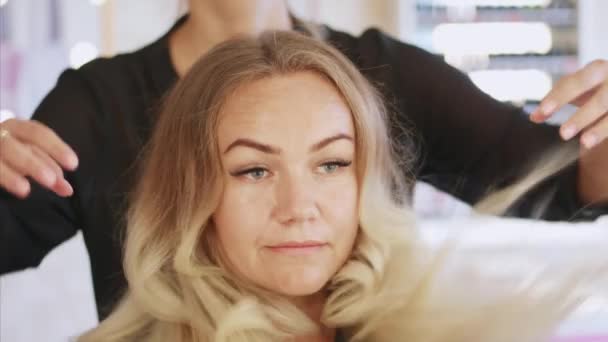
[{"x": 288, "y": 216}]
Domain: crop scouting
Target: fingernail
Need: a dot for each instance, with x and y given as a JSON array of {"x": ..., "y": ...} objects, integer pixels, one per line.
[
  {"x": 69, "y": 188},
  {"x": 23, "y": 187},
  {"x": 68, "y": 185},
  {"x": 568, "y": 132},
  {"x": 537, "y": 117},
  {"x": 547, "y": 108},
  {"x": 589, "y": 140},
  {"x": 72, "y": 161}
]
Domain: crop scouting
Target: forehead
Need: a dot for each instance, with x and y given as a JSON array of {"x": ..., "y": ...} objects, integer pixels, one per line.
[{"x": 301, "y": 106}]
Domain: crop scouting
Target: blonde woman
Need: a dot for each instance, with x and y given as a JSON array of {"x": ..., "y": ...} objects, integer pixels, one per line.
[
  {"x": 270, "y": 207},
  {"x": 68, "y": 170}
]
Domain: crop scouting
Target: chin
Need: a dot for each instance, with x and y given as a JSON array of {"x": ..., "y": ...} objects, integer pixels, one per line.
[{"x": 300, "y": 284}]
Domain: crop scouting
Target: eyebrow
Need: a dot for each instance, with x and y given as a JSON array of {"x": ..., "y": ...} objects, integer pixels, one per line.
[{"x": 275, "y": 150}]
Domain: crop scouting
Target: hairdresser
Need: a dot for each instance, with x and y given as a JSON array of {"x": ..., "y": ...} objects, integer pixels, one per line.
[{"x": 72, "y": 166}]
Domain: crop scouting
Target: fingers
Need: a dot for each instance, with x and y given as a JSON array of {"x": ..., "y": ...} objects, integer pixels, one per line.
[
  {"x": 13, "y": 182},
  {"x": 19, "y": 161},
  {"x": 588, "y": 89},
  {"x": 573, "y": 88},
  {"x": 33, "y": 150},
  {"x": 22, "y": 160},
  {"x": 48, "y": 161},
  {"x": 42, "y": 137},
  {"x": 588, "y": 114},
  {"x": 582, "y": 99},
  {"x": 19, "y": 186},
  {"x": 597, "y": 134},
  {"x": 61, "y": 187}
]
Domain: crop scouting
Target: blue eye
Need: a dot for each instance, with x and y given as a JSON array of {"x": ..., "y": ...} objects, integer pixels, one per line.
[
  {"x": 333, "y": 166},
  {"x": 330, "y": 167},
  {"x": 255, "y": 173}
]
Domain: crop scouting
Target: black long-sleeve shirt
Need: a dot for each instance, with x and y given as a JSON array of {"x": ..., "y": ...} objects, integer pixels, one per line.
[{"x": 466, "y": 140}]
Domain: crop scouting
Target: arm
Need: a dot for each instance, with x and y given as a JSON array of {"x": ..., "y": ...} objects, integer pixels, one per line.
[
  {"x": 469, "y": 143},
  {"x": 588, "y": 89},
  {"x": 31, "y": 227},
  {"x": 592, "y": 180}
]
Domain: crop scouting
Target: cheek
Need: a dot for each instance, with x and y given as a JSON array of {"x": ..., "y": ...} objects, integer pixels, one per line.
[
  {"x": 239, "y": 222},
  {"x": 340, "y": 208},
  {"x": 243, "y": 208}
]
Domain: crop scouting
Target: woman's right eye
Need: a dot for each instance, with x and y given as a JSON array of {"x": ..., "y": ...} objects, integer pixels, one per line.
[{"x": 255, "y": 173}]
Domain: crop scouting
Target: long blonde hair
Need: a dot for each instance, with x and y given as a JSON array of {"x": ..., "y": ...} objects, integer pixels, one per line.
[{"x": 178, "y": 286}]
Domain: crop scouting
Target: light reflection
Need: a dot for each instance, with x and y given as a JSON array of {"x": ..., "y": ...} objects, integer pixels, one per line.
[
  {"x": 6, "y": 114},
  {"x": 492, "y": 38},
  {"x": 487, "y": 3},
  {"x": 97, "y": 2},
  {"x": 513, "y": 85},
  {"x": 81, "y": 53}
]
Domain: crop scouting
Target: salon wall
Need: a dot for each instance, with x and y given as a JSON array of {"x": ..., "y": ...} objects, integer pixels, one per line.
[
  {"x": 593, "y": 39},
  {"x": 37, "y": 41}
]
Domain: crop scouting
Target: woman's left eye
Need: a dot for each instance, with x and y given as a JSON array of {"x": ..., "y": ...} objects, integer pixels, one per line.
[{"x": 333, "y": 166}]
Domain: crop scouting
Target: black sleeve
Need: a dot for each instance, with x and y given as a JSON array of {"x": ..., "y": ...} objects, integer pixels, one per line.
[
  {"x": 30, "y": 228},
  {"x": 468, "y": 142}
]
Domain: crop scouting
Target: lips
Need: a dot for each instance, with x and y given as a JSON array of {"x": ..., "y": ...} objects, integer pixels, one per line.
[{"x": 297, "y": 247}]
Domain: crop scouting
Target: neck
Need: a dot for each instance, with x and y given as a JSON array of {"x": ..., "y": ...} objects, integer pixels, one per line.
[{"x": 212, "y": 22}]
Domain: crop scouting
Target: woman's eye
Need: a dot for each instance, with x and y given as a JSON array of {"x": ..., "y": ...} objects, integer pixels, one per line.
[
  {"x": 256, "y": 173},
  {"x": 333, "y": 166}
]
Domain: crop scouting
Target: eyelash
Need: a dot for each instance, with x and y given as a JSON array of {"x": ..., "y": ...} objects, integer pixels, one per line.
[{"x": 341, "y": 163}]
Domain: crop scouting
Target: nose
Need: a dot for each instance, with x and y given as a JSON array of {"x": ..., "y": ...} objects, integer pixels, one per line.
[{"x": 295, "y": 200}]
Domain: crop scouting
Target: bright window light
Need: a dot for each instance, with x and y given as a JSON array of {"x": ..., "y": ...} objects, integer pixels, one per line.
[
  {"x": 3, "y": 2},
  {"x": 488, "y": 3},
  {"x": 81, "y": 53},
  {"x": 97, "y": 2},
  {"x": 513, "y": 85},
  {"x": 492, "y": 38},
  {"x": 468, "y": 62}
]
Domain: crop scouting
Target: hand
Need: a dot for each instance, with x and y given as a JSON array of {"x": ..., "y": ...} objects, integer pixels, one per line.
[
  {"x": 587, "y": 89},
  {"x": 31, "y": 149},
  {"x": 592, "y": 175}
]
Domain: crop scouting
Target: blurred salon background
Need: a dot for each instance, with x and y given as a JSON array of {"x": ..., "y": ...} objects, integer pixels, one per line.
[{"x": 514, "y": 50}]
